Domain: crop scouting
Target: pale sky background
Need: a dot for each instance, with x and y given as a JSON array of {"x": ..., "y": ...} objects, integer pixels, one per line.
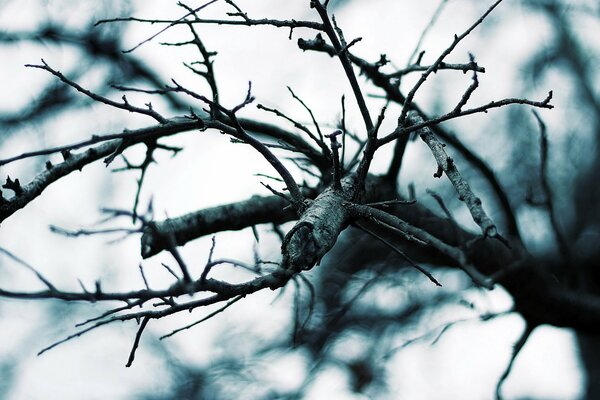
[{"x": 465, "y": 363}]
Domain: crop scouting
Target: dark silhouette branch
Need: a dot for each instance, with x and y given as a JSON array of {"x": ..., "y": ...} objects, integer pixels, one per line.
[
  {"x": 351, "y": 195},
  {"x": 516, "y": 350},
  {"x": 371, "y": 71}
]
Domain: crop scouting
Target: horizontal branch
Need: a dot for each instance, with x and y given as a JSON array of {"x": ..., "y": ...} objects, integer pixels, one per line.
[
  {"x": 224, "y": 291},
  {"x": 236, "y": 216},
  {"x": 117, "y": 142},
  {"x": 227, "y": 217},
  {"x": 447, "y": 66},
  {"x": 139, "y": 297},
  {"x": 538, "y": 297},
  {"x": 461, "y": 113},
  {"x": 293, "y": 24}
]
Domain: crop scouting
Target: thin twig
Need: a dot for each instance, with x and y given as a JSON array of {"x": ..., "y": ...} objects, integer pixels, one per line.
[
  {"x": 418, "y": 235},
  {"x": 346, "y": 64},
  {"x": 136, "y": 342},
  {"x": 229, "y": 303},
  {"x": 442, "y": 66},
  {"x": 336, "y": 169},
  {"x": 310, "y": 112},
  {"x": 39, "y": 275},
  {"x": 425, "y": 31},
  {"x": 343, "y": 128},
  {"x": 303, "y": 128},
  {"x": 293, "y": 24},
  {"x": 401, "y": 254},
  {"x": 549, "y": 201},
  {"x": 239, "y": 132},
  {"x": 392, "y": 91},
  {"x": 123, "y": 106},
  {"x": 171, "y": 24},
  {"x": 454, "y": 114},
  {"x": 457, "y": 39}
]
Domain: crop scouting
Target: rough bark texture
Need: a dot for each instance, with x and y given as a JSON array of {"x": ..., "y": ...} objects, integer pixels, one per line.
[
  {"x": 540, "y": 293},
  {"x": 537, "y": 295},
  {"x": 228, "y": 217},
  {"x": 317, "y": 230}
]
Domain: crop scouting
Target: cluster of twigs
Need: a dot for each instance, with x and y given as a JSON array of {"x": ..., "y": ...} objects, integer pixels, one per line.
[{"x": 347, "y": 193}]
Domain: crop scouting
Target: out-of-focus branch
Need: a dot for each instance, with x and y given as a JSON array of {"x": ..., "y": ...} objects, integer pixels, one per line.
[
  {"x": 100, "y": 47},
  {"x": 548, "y": 195},
  {"x": 518, "y": 346}
]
